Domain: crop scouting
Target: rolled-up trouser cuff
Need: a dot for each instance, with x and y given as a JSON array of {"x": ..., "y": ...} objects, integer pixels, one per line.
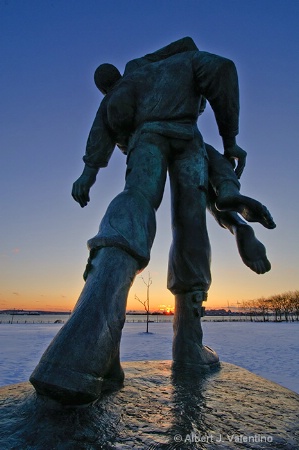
[
  {"x": 99, "y": 242},
  {"x": 130, "y": 224}
]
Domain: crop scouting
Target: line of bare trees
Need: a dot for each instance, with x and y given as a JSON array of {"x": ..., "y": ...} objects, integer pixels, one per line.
[{"x": 283, "y": 306}]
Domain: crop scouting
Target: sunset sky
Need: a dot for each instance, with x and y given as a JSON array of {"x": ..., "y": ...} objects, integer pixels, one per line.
[{"x": 49, "y": 50}]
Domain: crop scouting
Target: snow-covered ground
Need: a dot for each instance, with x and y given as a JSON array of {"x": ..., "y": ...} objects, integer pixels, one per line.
[{"x": 267, "y": 349}]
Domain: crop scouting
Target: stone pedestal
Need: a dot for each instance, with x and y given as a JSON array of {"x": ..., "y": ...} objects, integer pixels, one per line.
[{"x": 158, "y": 409}]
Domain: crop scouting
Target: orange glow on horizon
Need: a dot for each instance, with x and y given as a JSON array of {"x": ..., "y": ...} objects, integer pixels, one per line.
[
  {"x": 63, "y": 298},
  {"x": 67, "y": 303},
  {"x": 166, "y": 309}
]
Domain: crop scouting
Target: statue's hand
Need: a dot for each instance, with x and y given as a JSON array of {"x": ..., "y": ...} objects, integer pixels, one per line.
[
  {"x": 234, "y": 153},
  {"x": 81, "y": 187}
]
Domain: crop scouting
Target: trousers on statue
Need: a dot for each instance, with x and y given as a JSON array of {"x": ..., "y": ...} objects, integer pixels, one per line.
[{"x": 130, "y": 223}]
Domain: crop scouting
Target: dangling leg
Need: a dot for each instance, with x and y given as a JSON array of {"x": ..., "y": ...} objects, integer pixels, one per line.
[
  {"x": 251, "y": 250},
  {"x": 226, "y": 185}
]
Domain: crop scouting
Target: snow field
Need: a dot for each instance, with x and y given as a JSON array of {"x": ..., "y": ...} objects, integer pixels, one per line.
[{"x": 269, "y": 349}]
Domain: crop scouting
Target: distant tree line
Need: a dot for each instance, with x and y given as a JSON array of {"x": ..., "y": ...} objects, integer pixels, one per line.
[{"x": 283, "y": 306}]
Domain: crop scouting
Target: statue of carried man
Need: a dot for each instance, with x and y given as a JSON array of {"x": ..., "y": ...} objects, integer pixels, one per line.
[{"x": 151, "y": 114}]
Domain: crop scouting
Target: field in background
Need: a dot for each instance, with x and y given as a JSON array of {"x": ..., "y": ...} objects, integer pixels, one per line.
[{"x": 267, "y": 349}]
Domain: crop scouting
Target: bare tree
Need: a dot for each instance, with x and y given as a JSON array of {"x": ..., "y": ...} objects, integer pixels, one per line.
[
  {"x": 263, "y": 306},
  {"x": 251, "y": 307},
  {"x": 276, "y": 306},
  {"x": 285, "y": 304},
  {"x": 146, "y": 303},
  {"x": 295, "y": 303},
  {"x": 246, "y": 306}
]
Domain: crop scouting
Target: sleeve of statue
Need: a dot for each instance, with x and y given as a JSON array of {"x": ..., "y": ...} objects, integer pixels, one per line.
[
  {"x": 217, "y": 80},
  {"x": 185, "y": 44},
  {"x": 100, "y": 143}
]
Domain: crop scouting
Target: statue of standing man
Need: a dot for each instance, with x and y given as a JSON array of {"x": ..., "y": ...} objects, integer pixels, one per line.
[{"x": 151, "y": 114}]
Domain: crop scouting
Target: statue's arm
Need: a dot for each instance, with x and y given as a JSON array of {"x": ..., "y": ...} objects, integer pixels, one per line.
[
  {"x": 217, "y": 80},
  {"x": 100, "y": 142},
  {"x": 99, "y": 148}
]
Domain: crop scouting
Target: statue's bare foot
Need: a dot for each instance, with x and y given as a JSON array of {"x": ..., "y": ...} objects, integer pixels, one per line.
[
  {"x": 251, "y": 210},
  {"x": 252, "y": 251}
]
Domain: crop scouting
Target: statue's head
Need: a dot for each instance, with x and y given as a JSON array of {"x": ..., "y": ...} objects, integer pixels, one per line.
[{"x": 105, "y": 77}]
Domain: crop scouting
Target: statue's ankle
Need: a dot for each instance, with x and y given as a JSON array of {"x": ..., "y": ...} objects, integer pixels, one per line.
[{"x": 227, "y": 189}]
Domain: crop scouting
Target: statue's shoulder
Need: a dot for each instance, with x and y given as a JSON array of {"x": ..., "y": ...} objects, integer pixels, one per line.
[{"x": 185, "y": 44}]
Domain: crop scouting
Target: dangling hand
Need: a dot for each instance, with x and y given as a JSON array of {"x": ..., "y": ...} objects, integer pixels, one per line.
[
  {"x": 234, "y": 153},
  {"x": 81, "y": 187}
]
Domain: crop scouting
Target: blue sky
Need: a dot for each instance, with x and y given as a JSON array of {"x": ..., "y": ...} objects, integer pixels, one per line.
[{"x": 49, "y": 51}]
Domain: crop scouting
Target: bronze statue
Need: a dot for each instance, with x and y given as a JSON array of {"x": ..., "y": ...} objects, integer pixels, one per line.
[{"x": 151, "y": 114}]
